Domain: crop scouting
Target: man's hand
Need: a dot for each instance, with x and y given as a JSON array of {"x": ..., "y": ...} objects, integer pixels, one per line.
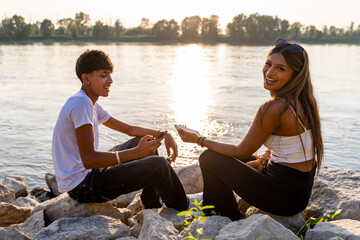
[
  {"x": 147, "y": 146},
  {"x": 171, "y": 144}
]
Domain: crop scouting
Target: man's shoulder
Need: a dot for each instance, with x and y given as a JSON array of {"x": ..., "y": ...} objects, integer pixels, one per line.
[{"x": 78, "y": 98}]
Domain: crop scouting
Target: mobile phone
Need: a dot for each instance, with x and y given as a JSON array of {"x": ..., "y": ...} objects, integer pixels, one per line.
[
  {"x": 178, "y": 127},
  {"x": 160, "y": 135}
]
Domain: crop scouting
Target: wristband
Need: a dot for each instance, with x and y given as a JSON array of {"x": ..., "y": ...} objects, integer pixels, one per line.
[{"x": 117, "y": 157}]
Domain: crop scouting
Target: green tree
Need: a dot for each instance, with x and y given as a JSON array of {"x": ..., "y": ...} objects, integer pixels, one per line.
[
  {"x": 295, "y": 31},
  {"x": 47, "y": 28},
  {"x": 190, "y": 28},
  {"x": 101, "y": 31},
  {"x": 74, "y": 30},
  {"x": 236, "y": 29},
  {"x": 36, "y": 28},
  {"x": 145, "y": 26},
  {"x": 165, "y": 30},
  {"x": 66, "y": 24},
  {"x": 210, "y": 28},
  {"x": 82, "y": 21},
  {"x": 119, "y": 28},
  {"x": 16, "y": 28},
  {"x": 284, "y": 28}
]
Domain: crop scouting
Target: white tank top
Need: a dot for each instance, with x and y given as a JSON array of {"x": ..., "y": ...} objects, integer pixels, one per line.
[{"x": 289, "y": 149}]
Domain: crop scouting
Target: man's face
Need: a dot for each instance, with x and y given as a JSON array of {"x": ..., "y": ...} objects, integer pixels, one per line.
[{"x": 99, "y": 82}]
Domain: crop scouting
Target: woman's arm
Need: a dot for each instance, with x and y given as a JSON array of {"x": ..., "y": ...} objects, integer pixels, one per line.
[{"x": 264, "y": 124}]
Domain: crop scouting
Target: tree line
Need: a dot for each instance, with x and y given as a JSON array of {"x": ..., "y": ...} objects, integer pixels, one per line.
[{"x": 252, "y": 29}]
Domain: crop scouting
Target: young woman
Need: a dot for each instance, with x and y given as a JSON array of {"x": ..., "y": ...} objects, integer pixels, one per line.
[{"x": 288, "y": 124}]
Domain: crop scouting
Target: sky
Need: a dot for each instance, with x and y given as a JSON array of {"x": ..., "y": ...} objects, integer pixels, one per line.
[{"x": 339, "y": 13}]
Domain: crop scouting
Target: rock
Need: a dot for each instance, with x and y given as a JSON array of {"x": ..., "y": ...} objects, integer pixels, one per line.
[
  {"x": 156, "y": 227},
  {"x": 136, "y": 205},
  {"x": 127, "y": 238},
  {"x": 211, "y": 227},
  {"x": 64, "y": 206},
  {"x": 33, "y": 224},
  {"x": 348, "y": 229},
  {"x": 170, "y": 214},
  {"x": 12, "y": 233},
  {"x": 137, "y": 219},
  {"x": 191, "y": 178},
  {"x": 335, "y": 188},
  {"x": 41, "y": 194},
  {"x": 6, "y": 195},
  {"x": 17, "y": 185},
  {"x": 243, "y": 205},
  {"x": 25, "y": 202},
  {"x": 135, "y": 230},
  {"x": 50, "y": 180},
  {"x": 255, "y": 227},
  {"x": 294, "y": 223},
  {"x": 86, "y": 228},
  {"x": 11, "y": 214},
  {"x": 124, "y": 200}
]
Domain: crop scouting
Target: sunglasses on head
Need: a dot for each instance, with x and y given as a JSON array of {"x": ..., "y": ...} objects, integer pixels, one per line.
[{"x": 292, "y": 47}]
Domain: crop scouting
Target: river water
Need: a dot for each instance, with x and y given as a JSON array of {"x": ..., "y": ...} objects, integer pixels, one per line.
[{"x": 215, "y": 89}]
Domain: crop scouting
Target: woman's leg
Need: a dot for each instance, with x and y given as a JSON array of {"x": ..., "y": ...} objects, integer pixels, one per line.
[{"x": 222, "y": 175}]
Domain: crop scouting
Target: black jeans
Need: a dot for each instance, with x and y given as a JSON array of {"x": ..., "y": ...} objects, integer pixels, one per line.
[
  {"x": 153, "y": 174},
  {"x": 279, "y": 190}
]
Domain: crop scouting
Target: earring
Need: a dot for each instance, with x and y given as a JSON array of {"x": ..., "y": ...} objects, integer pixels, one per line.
[{"x": 88, "y": 83}]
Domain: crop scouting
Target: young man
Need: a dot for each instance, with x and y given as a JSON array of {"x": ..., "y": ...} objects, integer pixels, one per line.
[{"x": 89, "y": 175}]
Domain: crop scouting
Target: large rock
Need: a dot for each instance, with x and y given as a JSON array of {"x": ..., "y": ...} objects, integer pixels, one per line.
[
  {"x": 12, "y": 233},
  {"x": 171, "y": 215},
  {"x": 255, "y": 227},
  {"x": 124, "y": 200},
  {"x": 33, "y": 224},
  {"x": 64, "y": 206},
  {"x": 191, "y": 178},
  {"x": 6, "y": 195},
  {"x": 84, "y": 228},
  {"x": 11, "y": 214},
  {"x": 211, "y": 227},
  {"x": 50, "y": 180},
  {"x": 346, "y": 228},
  {"x": 17, "y": 185},
  {"x": 136, "y": 205},
  {"x": 41, "y": 194},
  {"x": 156, "y": 227},
  {"x": 25, "y": 202},
  {"x": 294, "y": 223},
  {"x": 335, "y": 188}
]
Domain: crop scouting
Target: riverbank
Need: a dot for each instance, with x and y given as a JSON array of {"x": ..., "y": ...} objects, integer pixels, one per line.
[{"x": 47, "y": 214}]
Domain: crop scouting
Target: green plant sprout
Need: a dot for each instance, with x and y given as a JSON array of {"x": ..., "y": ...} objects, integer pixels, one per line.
[{"x": 198, "y": 216}]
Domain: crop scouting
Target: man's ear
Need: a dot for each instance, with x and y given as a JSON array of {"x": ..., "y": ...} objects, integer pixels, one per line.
[{"x": 84, "y": 78}]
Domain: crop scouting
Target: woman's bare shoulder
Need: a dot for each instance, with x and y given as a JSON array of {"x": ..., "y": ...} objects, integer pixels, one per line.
[{"x": 272, "y": 106}]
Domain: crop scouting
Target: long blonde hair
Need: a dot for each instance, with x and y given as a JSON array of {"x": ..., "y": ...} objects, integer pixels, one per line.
[{"x": 301, "y": 89}]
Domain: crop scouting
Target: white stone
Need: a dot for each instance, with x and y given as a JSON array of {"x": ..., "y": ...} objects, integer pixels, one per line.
[
  {"x": 124, "y": 200},
  {"x": 136, "y": 205},
  {"x": 33, "y": 224},
  {"x": 84, "y": 228},
  {"x": 50, "y": 180},
  {"x": 10, "y": 233},
  {"x": 335, "y": 188},
  {"x": 6, "y": 195},
  {"x": 11, "y": 214},
  {"x": 17, "y": 184},
  {"x": 127, "y": 238},
  {"x": 348, "y": 228},
  {"x": 191, "y": 178},
  {"x": 211, "y": 227},
  {"x": 170, "y": 214},
  {"x": 257, "y": 226},
  {"x": 25, "y": 202},
  {"x": 64, "y": 206},
  {"x": 156, "y": 227}
]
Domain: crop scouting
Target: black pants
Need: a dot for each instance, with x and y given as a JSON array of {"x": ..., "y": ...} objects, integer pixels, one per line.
[
  {"x": 279, "y": 190},
  {"x": 153, "y": 174}
]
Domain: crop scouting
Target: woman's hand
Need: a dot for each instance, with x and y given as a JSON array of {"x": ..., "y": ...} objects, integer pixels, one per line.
[
  {"x": 147, "y": 146},
  {"x": 188, "y": 136},
  {"x": 171, "y": 144},
  {"x": 257, "y": 164}
]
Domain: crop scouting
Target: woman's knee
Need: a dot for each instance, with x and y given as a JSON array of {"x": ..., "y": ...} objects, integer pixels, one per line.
[{"x": 206, "y": 157}]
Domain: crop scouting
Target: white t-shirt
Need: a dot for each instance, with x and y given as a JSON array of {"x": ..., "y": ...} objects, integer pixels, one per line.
[{"x": 77, "y": 111}]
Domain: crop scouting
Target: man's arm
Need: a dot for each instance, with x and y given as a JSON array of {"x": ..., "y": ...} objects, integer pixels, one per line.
[
  {"x": 96, "y": 159},
  {"x": 138, "y": 131}
]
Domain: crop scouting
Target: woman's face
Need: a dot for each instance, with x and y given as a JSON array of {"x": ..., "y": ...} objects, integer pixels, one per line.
[{"x": 276, "y": 73}]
